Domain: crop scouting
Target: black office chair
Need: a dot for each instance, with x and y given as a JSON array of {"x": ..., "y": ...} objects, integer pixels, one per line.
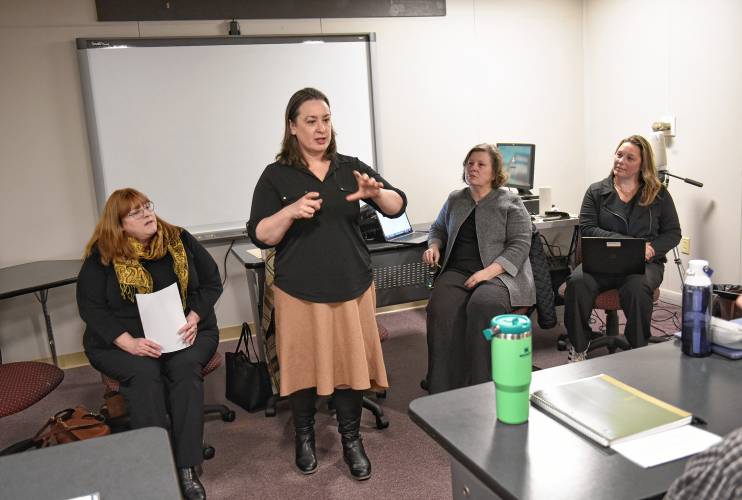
[
  {"x": 610, "y": 302},
  {"x": 609, "y": 337}
]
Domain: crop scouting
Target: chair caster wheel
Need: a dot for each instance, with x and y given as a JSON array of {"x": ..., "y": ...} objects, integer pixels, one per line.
[
  {"x": 424, "y": 384},
  {"x": 382, "y": 422},
  {"x": 209, "y": 452},
  {"x": 561, "y": 345},
  {"x": 270, "y": 411},
  {"x": 229, "y": 416}
]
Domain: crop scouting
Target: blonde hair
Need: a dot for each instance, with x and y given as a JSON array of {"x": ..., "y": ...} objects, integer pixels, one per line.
[
  {"x": 109, "y": 236},
  {"x": 648, "y": 171}
]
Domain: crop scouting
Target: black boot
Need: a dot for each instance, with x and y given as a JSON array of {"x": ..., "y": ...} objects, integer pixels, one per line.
[
  {"x": 303, "y": 408},
  {"x": 349, "y": 404},
  {"x": 190, "y": 486}
]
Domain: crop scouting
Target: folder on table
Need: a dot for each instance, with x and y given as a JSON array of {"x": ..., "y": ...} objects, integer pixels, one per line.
[{"x": 607, "y": 410}]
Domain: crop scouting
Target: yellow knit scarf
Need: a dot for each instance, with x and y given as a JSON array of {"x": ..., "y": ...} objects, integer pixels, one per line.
[{"x": 134, "y": 278}]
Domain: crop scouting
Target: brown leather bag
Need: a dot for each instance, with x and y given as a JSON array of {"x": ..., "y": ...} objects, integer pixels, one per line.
[{"x": 71, "y": 425}]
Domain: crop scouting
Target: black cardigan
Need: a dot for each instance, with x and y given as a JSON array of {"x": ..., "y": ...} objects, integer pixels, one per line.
[
  {"x": 602, "y": 214},
  {"x": 107, "y": 315}
]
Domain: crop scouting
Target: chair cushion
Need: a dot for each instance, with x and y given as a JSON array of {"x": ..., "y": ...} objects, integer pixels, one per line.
[
  {"x": 214, "y": 363},
  {"x": 608, "y": 300},
  {"x": 112, "y": 385},
  {"x": 24, "y": 383}
]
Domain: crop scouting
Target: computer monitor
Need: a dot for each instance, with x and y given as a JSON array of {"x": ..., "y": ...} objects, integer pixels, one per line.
[{"x": 518, "y": 162}]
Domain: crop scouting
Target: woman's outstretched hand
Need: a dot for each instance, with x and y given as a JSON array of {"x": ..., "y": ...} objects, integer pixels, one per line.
[{"x": 368, "y": 187}]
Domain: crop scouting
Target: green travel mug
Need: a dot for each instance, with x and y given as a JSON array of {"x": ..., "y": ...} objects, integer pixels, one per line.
[{"x": 510, "y": 336}]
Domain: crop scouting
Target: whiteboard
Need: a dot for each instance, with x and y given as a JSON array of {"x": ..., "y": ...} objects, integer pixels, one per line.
[{"x": 192, "y": 122}]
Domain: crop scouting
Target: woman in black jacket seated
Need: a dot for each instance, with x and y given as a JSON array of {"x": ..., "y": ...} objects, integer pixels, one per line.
[
  {"x": 134, "y": 251},
  {"x": 629, "y": 203}
]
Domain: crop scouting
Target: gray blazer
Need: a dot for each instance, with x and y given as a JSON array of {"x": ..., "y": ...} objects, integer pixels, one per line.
[{"x": 503, "y": 234}]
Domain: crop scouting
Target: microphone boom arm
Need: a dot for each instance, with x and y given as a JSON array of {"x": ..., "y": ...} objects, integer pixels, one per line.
[{"x": 684, "y": 179}]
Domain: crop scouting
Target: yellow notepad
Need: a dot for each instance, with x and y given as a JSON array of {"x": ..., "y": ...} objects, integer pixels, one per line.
[{"x": 607, "y": 410}]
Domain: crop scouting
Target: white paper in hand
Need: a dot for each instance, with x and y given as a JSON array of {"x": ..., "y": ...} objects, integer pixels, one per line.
[{"x": 162, "y": 316}]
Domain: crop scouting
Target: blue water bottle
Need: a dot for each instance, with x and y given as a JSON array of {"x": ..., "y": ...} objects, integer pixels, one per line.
[{"x": 696, "y": 338}]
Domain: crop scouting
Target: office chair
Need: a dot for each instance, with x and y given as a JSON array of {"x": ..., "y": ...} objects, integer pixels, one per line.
[
  {"x": 610, "y": 302},
  {"x": 25, "y": 383},
  {"x": 227, "y": 415}
]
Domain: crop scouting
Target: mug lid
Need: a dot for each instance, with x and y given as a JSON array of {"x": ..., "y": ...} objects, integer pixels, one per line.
[{"x": 511, "y": 323}]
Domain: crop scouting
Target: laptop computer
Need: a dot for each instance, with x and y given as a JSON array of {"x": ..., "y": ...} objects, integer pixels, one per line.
[
  {"x": 400, "y": 230},
  {"x": 615, "y": 256}
]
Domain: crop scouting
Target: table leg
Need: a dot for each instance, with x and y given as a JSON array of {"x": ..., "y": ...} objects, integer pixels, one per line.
[
  {"x": 253, "y": 289},
  {"x": 571, "y": 257},
  {"x": 41, "y": 296}
]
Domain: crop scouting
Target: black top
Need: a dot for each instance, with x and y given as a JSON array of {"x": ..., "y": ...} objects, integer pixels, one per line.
[
  {"x": 465, "y": 253},
  {"x": 322, "y": 259},
  {"x": 107, "y": 315},
  {"x": 603, "y": 214},
  {"x": 623, "y": 208}
]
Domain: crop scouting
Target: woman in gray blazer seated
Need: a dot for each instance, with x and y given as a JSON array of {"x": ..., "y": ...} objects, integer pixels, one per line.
[{"x": 484, "y": 234}]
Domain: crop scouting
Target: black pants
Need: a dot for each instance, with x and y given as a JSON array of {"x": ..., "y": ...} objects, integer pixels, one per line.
[
  {"x": 172, "y": 384},
  {"x": 635, "y": 292},
  {"x": 458, "y": 353}
]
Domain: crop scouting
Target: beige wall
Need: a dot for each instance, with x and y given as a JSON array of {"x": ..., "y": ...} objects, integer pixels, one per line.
[{"x": 644, "y": 59}]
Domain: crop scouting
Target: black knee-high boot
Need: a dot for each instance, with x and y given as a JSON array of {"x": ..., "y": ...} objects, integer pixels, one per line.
[
  {"x": 303, "y": 408},
  {"x": 349, "y": 404}
]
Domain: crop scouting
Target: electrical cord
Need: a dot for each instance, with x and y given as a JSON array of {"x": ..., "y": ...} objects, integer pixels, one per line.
[{"x": 231, "y": 244}]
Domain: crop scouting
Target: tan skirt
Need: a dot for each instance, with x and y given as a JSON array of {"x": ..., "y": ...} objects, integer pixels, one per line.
[{"x": 328, "y": 345}]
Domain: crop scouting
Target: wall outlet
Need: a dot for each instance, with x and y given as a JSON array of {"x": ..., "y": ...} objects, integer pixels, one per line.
[{"x": 685, "y": 245}]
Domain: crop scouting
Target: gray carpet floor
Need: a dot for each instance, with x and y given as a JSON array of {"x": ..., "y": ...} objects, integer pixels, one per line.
[{"x": 254, "y": 454}]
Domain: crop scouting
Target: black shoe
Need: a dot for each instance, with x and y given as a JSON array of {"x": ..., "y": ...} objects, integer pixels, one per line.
[
  {"x": 424, "y": 385},
  {"x": 306, "y": 454},
  {"x": 190, "y": 486},
  {"x": 355, "y": 457}
]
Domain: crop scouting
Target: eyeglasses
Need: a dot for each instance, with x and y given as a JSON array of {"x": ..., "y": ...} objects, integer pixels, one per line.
[{"x": 139, "y": 212}]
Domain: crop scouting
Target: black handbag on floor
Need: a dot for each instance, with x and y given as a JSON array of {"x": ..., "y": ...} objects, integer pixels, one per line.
[{"x": 248, "y": 382}]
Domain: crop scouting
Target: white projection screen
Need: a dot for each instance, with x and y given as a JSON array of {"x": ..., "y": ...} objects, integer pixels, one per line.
[{"x": 192, "y": 122}]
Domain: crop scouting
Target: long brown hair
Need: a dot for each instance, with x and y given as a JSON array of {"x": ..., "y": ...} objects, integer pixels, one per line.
[
  {"x": 648, "y": 171},
  {"x": 290, "y": 153},
  {"x": 498, "y": 167},
  {"x": 109, "y": 235}
]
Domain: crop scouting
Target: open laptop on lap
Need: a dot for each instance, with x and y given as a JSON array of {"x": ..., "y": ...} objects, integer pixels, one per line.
[
  {"x": 400, "y": 230},
  {"x": 614, "y": 256}
]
